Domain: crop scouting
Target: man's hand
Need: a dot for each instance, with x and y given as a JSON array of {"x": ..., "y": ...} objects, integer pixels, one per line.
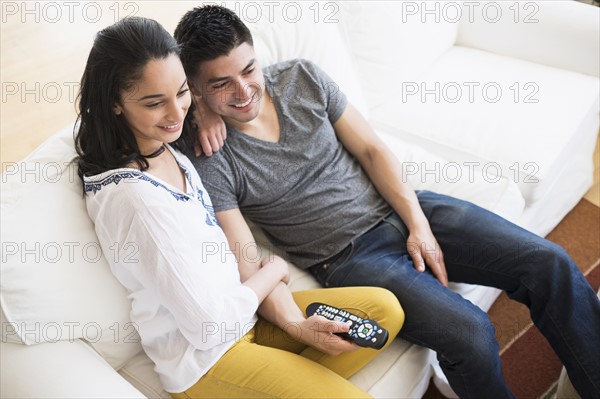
[
  {"x": 212, "y": 132},
  {"x": 423, "y": 248},
  {"x": 386, "y": 174},
  {"x": 318, "y": 332}
]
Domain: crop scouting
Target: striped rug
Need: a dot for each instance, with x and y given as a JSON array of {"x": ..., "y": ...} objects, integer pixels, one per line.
[{"x": 530, "y": 366}]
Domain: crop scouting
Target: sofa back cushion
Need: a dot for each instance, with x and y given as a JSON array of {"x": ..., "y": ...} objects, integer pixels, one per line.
[
  {"x": 561, "y": 34},
  {"x": 395, "y": 41},
  {"x": 56, "y": 284}
]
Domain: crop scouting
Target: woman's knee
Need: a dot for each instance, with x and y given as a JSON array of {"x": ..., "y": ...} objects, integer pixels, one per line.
[{"x": 387, "y": 310}]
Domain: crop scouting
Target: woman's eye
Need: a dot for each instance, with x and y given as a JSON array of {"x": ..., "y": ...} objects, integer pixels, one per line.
[
  {"x": 249, "y": 71},
  {"x": 182, "y": 92},
  {"x": 152, "y": 105}
]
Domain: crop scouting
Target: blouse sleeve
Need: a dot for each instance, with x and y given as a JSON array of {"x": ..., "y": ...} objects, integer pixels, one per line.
[{"x": 203, "y": 293}]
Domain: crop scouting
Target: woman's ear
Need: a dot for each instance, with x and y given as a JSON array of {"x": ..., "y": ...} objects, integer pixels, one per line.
[{"x": 118, "y": 110}]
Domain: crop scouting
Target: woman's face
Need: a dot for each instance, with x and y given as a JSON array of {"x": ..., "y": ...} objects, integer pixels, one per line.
[{"x": 155, "y": 106}]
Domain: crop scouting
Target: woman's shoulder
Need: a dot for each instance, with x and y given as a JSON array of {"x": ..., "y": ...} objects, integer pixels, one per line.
[
  {"x": 127, "y": 188},
  {"x": 112, "y": 181}
]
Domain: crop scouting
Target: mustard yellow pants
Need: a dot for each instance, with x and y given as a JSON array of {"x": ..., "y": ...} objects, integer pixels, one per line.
[{"x": 268, "y": 363}]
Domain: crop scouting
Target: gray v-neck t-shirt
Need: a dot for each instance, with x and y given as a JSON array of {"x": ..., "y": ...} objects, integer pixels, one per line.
[{"x": 308, "y": 194}]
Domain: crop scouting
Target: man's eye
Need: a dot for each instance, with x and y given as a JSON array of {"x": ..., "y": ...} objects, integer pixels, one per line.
[
  {"x": 152, "y": 105},
  {"x": 219, "y": 85}
]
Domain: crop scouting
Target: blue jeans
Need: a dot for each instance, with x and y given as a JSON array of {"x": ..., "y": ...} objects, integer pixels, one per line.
[{"x": 479, "y": 247}]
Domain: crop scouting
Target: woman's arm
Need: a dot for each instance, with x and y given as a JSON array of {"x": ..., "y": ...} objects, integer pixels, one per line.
[
  {"x": 267, "y": 278},
  {"x": 279, "y": 306}
]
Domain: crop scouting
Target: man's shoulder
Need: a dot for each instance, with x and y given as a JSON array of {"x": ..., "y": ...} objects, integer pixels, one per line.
[
  {"x": 219, "y": 157},
  {"x": 217, "y": 167},
  {"x": 290, "y": 64}
]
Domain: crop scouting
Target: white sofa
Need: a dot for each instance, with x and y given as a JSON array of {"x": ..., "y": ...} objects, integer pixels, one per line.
[{"x": 493, "y": 102}]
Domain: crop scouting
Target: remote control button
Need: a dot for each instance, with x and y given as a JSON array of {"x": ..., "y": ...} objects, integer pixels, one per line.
[{"x": 362, "y": 331}]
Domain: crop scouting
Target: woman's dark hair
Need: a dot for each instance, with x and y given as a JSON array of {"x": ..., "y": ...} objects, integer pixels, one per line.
[
  {"x": 208, "y": 32},
  {"x": 116, "y": 61}
]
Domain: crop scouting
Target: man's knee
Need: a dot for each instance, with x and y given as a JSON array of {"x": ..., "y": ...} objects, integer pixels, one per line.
[
  {"x": 470, "y": 332},
  {"x": 549, "y": 262}
]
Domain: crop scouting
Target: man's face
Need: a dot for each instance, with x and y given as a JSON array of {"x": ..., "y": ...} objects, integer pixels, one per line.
[{"x": 233, "y": 85}]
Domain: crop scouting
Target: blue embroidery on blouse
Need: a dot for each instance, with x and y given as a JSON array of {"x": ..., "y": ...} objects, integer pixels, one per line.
[
  {"x": 211, "y": 217},
  {"x": 116, "y": 177}
]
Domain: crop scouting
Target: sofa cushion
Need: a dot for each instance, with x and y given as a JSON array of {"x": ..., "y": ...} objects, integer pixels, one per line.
[
  {"x": 59, "y": 370},
  {"x": 392, "y": 41},
  {"x": 425, "y": 170},
  {"x": 562, "y": 34},
  {"x": 513, "y": 118},
  {"x": 139, "y": 371},
  {"x": 56, "y": 284}
]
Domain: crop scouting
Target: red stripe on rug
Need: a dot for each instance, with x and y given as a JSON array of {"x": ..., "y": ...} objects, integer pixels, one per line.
[{"x": 530, "y": 365}]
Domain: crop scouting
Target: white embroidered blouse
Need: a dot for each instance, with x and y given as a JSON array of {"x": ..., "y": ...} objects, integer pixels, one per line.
[{"x": 167, "y": 249}]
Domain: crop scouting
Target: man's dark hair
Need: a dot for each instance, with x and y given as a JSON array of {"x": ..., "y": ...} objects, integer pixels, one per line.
[{"x": 208, "y": 32}]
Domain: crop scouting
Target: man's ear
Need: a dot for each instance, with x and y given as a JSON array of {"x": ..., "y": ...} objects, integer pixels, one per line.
[{"x": 194, "y": 89}]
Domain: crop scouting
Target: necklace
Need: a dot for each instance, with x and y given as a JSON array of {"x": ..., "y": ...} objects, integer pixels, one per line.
[{"x": 156, "y": 153}]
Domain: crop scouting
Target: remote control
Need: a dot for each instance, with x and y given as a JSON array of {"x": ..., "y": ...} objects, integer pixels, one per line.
[{"x": 365, "y": 333}]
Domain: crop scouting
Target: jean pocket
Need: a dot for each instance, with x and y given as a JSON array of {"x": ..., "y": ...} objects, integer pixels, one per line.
[
  {"x": 394, "y": 220},
  {"x": 332, "y": 267}
]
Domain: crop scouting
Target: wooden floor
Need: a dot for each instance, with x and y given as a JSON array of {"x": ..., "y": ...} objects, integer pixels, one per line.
[
  {"x": 44, "y": 50},
  {"x": 44, "y": 47}
]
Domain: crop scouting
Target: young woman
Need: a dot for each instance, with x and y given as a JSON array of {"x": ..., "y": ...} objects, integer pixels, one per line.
[{"x": 195, "y": 314}]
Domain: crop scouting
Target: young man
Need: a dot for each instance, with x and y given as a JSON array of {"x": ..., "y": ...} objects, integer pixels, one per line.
[{"x": 309, "y": 171}]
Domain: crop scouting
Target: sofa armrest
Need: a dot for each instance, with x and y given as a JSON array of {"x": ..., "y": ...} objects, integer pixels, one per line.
[
  {"x": 59, "y": 370},
  {"x": 561, "y": 34}
]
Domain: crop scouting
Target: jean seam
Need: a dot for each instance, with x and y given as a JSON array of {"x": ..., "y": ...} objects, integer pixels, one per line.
[
  {"x": 421, "y": 343},
  {"x": 550, "y": 316},
  {"x": 568, "y": 345}
]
